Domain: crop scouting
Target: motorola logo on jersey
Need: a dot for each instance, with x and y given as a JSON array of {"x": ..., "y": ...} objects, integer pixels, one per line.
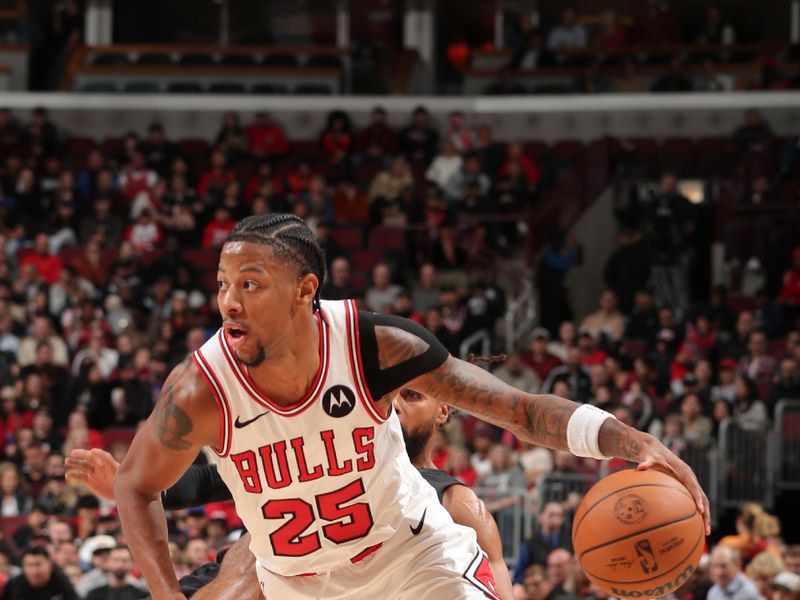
[{"x": 338, "y": 401}]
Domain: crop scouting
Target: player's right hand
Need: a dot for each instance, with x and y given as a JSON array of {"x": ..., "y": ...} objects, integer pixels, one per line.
[{"x": 95, "y": 468}]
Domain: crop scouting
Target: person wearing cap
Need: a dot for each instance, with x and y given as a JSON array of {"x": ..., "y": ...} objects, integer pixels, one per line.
[
  {"x": 539, "y": 359},
  {"x": 94, "y": 553},
  {"x": 726, "y": 388},
  {"x": 785, "y": 586},
  {"x": 118, "y": 586}
]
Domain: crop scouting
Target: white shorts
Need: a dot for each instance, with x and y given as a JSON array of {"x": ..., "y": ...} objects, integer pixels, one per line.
[{"x": 442, "y": 562}]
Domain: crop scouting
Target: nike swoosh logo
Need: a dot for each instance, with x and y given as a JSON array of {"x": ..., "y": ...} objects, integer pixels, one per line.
[
  {"x": 418, "y": 528},
  {"x": 239, "y": 424}
]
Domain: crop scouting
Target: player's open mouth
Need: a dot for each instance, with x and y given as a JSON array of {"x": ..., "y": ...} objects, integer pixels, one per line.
[{"x": 235, "y": 334}]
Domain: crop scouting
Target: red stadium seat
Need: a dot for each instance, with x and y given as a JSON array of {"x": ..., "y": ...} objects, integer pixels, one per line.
[
  {"x": 712, "y": 156},
  {"x": 306, "y": 149},
  {"x": 387, "y": 238},
  {"x": 203, "y": 259},
  {"x": 535, "y": 150},
  {"x": 194, "y": 149},
  {"x": 349, "y": 238},
  {"x": 641, "y": 153},
  {"x": 677, "y": 154},
  {"x": 364, "y": 260},
  {"x": 112, "y": 146},
  {"x": 79, "y": 146}
]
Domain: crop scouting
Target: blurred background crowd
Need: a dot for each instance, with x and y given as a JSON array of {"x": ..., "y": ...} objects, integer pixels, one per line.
[{"x": 109, "y": 246}]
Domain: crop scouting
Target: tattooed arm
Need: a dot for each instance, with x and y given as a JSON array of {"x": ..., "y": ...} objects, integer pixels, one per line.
[
  {"x": 536, "y": 418},
  {"x": 184, "y": 420}
]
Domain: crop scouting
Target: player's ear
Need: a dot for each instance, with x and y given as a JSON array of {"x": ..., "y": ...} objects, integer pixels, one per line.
[
  {"x": 307, "y": 288},
  {"x": 442, "y": 414}
]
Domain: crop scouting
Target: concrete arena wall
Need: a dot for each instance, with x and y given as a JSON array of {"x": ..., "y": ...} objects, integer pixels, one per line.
[{"x": 546, "y": 118}]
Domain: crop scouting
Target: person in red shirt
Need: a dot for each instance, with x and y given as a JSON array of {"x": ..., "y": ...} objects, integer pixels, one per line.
[
  {"x": 539, "y": 359},
  {"x": 217, "y": 230},
  {"x": 213, "y": 182},
  {"x": 377, "y": 139},
  {"x": 136, "y": 177},
  {"x": 590, "y": 353},
  {"x": 337, "y": 141},
  {"x": 48, "y": 265},
  {"x": 350, "y": 204},
  {"x": 266, "y": 137},
  {"x": 529, "y": 169},
  {"x": 790, "y": 292},
  {"x": 264, "y": 175}
]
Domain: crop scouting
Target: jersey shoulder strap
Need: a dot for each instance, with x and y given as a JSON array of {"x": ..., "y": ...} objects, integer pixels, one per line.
[
  {"x": 382, "y": 381},
  {"x": 439, "y": 480}
]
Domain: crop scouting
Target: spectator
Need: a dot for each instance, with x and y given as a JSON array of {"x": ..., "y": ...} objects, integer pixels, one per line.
[
  {"x": 377, "y": 140},
  {"x": 15, "y": 501},
  {"x": 762, "y": 570},
  {"x": 712, "y": 80},
  {"x": 757, "y": 364},
  {"x": 232, "y": 138},
  {"x": 120, "y": 565},
  {"x": 527, "y": 167},
  {"x": 567, "y": 338},
  {"x": 606, "y": 321},
  {"x": 434, "y": 322},
  {"x": 657, "y": 24},
  {"x": 560, "y": 571},
  {"x": 754, "y": 135},
  {"x": 339, "y": 286},
  {"x": 613, "y": 34},
  {"x": 40, "y": 579},
  {"x": 737, "y": 345},
  {"x": 425, "y": 294},
  {"x": 136, "y": 178},
  {"x": 196, "y": 553},
  {"x": 532, "y": 54},
  {"x": 41, "y": 331},
  {"x": 573, "y": 374},
  {"x": 570, "y": 34},
  {"x": 48, "y": 265},
  {"x": 716, "y": 31},
  {"x": 471, "y": 173},
  {"x": 789, "y": 296},
  {"x": 627, "y": 270},
  {"x": 696, "y": 426},
  {"x": 388, "y": 184},
  {"x": 643, "y": 321},
  {"x": 213, "y": 182},
  {"x": 749, "y": 412},
  {"x": 383, "y": 293},
  {"x": 145, "y": 235},
  {"x": 519, "y": 375},
  {"x": 540, "y": 359},
  {"x": 729, "y": 581},
  {"x": 786, "y": 385},
  {"x": 217, "y": 230},
  {"x": 552, "y": 532},
  {"x": 791, "y": 558},
  {"x": 95, "y": 553},
  {"x": 419, "y": 141},
  {"x": 558, "y": 258},
  {"x": 785, "y": 586},
  {"x": 445, "y": 165},
  {"x": 265, "y": 137},
  {"x": 350, "y": 203},
  {"x": 159, "y": 152},
  {"x": 459, "y": 133},
  {"x": 535, "y": 586},
  {"x": 336, "y": 143}
]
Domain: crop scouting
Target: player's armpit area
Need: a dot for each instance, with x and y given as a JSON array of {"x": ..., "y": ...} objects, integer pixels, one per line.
[{"x": 237, "y": 578}]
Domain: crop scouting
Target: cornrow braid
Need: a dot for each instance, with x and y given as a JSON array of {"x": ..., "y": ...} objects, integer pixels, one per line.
[
  {"x": 492, "y": 358},
  {"x": 290, "y": 239}
]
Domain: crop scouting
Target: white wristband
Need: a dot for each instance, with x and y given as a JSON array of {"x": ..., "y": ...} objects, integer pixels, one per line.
[{"x": 583, "y": 431}]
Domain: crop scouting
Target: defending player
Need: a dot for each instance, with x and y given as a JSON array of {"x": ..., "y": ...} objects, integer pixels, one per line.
[{"x": 294, "y": 396}]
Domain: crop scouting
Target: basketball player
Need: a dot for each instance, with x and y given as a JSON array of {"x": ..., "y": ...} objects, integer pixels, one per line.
[
  {"x": 294, "y": 397},
  {"x": 420, "y": 416}
]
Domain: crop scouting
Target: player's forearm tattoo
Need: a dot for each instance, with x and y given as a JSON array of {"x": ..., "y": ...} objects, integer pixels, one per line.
[
  {"x": 171, "y": 422},
  {"x": 618, "y": 440},
  {"x": 539, "y": 419}
]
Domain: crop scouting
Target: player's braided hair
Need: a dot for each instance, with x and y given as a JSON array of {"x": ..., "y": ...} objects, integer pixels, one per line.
[{"x": 290, "y": 239}]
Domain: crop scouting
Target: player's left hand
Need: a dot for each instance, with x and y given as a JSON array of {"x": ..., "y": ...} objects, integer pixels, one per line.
[
  {"x": 95, "y": 468},
  {"x": 657, "y": 456}
]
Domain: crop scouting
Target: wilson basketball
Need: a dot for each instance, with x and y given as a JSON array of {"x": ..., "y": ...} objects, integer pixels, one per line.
[{"x": 638, "y": 534}]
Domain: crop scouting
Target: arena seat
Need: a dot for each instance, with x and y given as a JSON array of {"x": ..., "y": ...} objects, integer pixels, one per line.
[
  {"x": 270, "y": 88},
  {"x": 238, "y": 60},
  {"x": 184, "y": 87},
  {"x": 348, "y": 238},
  {"x": 364, "y": 260},
  {"x": 142, "y": 87},
  {"x": 711, "y": 155},
  {"x": 677, "y": 154},
  {"x": 279, "y": 59},
  {"x": 195, "y": 59},
  {"x": 226, "y": 87},
  {"x": 387, "y": 238},
  {"x": 324, "y": 61},
  {"x": 193, "y": 148},
  {"x": 154, "y": 59},
  {"x": 112, "y": 146},
  {"x": 99, "y": 87},
  {"x": 111, "y": 59},
  {"x": 79, "y": 146},
  {"x": 313, "y": 89}
]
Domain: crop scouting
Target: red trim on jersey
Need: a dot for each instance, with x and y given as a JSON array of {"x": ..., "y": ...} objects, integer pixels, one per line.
[
  {"x": 250, "y": 386},
  {"x": 353, "y": 368},
  {"x": 223, "y": 406},
  {"x": 362, "y": 380},
  {"x": 360, "y": 556}
]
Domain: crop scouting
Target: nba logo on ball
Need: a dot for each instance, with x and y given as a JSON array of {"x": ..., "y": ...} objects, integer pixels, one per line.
[{"x": 646, "y": 556}]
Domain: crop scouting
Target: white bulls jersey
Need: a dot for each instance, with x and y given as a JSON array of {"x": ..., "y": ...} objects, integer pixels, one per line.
[{"x": 321, "y": 483}]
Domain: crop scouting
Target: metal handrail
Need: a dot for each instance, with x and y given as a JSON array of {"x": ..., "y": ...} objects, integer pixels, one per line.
[
  {"x": 482, "y": 336},
  {"x": 520, "y": 316}
]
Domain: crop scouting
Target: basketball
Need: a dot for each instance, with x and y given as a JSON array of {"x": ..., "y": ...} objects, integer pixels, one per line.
[{"x": 638, "y": 534}]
